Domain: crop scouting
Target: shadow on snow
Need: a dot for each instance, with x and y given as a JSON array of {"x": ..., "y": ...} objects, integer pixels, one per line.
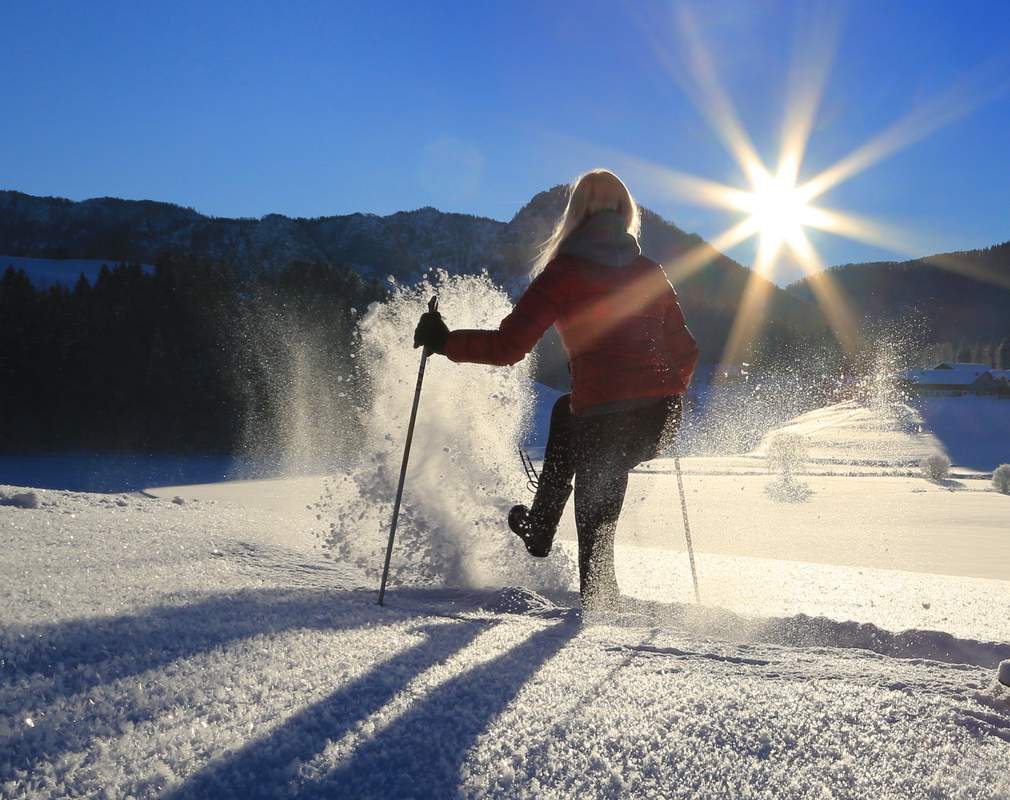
[
  {"x": 418, "y": 754},
  {"x": 50, "y": 671}
]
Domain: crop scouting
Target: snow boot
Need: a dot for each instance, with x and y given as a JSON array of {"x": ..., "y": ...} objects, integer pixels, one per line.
[
  {"x": 519, "y": 523},
  {"x": 536, "y": 526}
]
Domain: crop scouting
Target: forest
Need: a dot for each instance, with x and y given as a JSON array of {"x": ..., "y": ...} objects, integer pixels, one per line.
[{"x": 186, "y": 357}]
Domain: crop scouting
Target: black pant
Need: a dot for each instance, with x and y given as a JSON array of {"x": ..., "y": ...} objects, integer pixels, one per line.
[{"x": 599, "y": 450}]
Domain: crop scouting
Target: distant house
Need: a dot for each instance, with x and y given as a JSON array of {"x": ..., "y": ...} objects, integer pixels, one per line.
[
  {"x": 1001, "y": 376},
  {"x": 956, "y": 379}
]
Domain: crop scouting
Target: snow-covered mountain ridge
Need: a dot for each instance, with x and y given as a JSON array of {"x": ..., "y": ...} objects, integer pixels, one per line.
[{"x": 142, "y": 230}]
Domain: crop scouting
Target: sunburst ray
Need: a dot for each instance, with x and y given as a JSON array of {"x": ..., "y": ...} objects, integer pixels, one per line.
[
  {"x": 827, "y": 293},
  {"x": 686, "y": 265},
  {"x": 957, "y": 101},
  {"x": 814, "y": 49},
  {"x": 751, "y": 312},
  {"x": 778, "y": 207}
]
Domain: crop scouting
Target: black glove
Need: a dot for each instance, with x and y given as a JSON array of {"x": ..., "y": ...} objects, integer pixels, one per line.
[{"x": 431, "y": 332}]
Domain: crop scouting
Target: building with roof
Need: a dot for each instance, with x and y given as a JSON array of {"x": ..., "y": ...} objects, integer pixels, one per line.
[{"x": 955, "y": 379}]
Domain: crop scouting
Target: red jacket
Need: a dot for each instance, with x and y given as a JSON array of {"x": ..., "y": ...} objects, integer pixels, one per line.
[{"x": 622, "y": 328}]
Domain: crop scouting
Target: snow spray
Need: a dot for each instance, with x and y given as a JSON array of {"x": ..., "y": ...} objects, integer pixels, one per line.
[
  {"x": 294, "y": 384},
  {"x": 463, "y": 474}
]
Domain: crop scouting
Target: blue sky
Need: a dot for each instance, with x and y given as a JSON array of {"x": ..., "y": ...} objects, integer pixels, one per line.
[{"x": 324, "y": 108}]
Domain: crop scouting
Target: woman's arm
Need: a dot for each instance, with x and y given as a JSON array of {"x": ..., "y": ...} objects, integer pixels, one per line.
[
  {"x": 533, "y": 314},
  {"x": 680, "y": 344}
]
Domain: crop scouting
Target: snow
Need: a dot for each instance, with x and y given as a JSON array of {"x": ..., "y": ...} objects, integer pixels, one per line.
[
  {"x": 975, "y": 431},
  {"x": 206, "y": 650},
  {"x": 857, "y": 433},
  {"x": 46, "y": 272},
  {"x": 462, "y": 477}
]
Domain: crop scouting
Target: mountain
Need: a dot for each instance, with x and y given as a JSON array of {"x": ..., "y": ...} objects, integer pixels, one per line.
[
  {"x": 960, "y": 298},
  {"x": 401, "y": 244},
  {"x": 404, "y": 245}
]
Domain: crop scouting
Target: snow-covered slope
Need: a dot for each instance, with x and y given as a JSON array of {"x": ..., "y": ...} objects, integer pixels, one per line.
[
  {"x": 854, "y": 432},
  {"x": 151, "y": 648},
  {"x": 973, "y": 431}
]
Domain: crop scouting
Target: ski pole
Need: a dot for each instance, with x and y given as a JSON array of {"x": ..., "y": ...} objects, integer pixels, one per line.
[
  {"x": 425, "y": 352},
  {"x": 687, "y": 527}
]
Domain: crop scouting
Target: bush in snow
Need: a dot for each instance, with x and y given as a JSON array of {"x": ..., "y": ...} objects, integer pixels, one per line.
[
  {"x": 1001, "y": 478},
  {"x": 787, "y": 455},
  {"x": 25, "y": 500},
  {"x": 935, "y": 467}
]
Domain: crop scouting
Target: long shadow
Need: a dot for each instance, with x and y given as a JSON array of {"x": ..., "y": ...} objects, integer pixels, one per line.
[
  {"x": 421, "y": 753},
  {"x": 418, "y": 755},
  {"x": 265, "y": 767},
  {"x": 798, "y": 630},
  {"x": 44, "y": 668},
  {"x": 130, "y": 643}
]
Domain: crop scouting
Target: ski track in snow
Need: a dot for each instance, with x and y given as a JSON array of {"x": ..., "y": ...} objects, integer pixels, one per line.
[{"x": 199, "y": 650}]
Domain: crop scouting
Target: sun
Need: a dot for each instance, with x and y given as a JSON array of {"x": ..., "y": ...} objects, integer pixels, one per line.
[{"x": 778, "y": 211}]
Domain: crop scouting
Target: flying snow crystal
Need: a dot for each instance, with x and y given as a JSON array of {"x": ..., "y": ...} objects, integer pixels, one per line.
[{"x": 464, "y": 471}]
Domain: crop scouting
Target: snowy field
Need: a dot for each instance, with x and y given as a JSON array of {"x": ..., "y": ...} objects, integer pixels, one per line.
[
  {"x": 202, "y": 647},
  {"x": 224, "y": 641}
]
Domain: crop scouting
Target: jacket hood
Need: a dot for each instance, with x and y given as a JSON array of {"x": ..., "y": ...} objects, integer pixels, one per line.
[{"x": 602, "y": 239}]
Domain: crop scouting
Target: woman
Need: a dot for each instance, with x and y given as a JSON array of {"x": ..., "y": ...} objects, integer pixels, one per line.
[{"x": 630, "y": 355}]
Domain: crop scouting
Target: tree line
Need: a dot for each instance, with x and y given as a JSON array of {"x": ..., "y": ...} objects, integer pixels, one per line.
[
  {"x": 992, "y": 353},
  {"x": 187, "y": 357},
  {"x": 196, "y": 356}
]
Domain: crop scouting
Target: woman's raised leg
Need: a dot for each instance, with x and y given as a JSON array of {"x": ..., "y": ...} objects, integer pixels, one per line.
[{"x": 538, "y": 523}]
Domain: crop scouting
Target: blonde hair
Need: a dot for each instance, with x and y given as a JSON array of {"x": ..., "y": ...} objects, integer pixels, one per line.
[{"x": 592, "y": 192}]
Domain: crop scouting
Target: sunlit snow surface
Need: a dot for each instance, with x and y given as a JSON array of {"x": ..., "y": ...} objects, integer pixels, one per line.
[{"x": 204, "y": 649}]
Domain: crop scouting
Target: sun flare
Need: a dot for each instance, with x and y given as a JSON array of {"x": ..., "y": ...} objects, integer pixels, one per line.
[
  {"x": 776, "y": 207},
  {"x": 778, "y": 211}
]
